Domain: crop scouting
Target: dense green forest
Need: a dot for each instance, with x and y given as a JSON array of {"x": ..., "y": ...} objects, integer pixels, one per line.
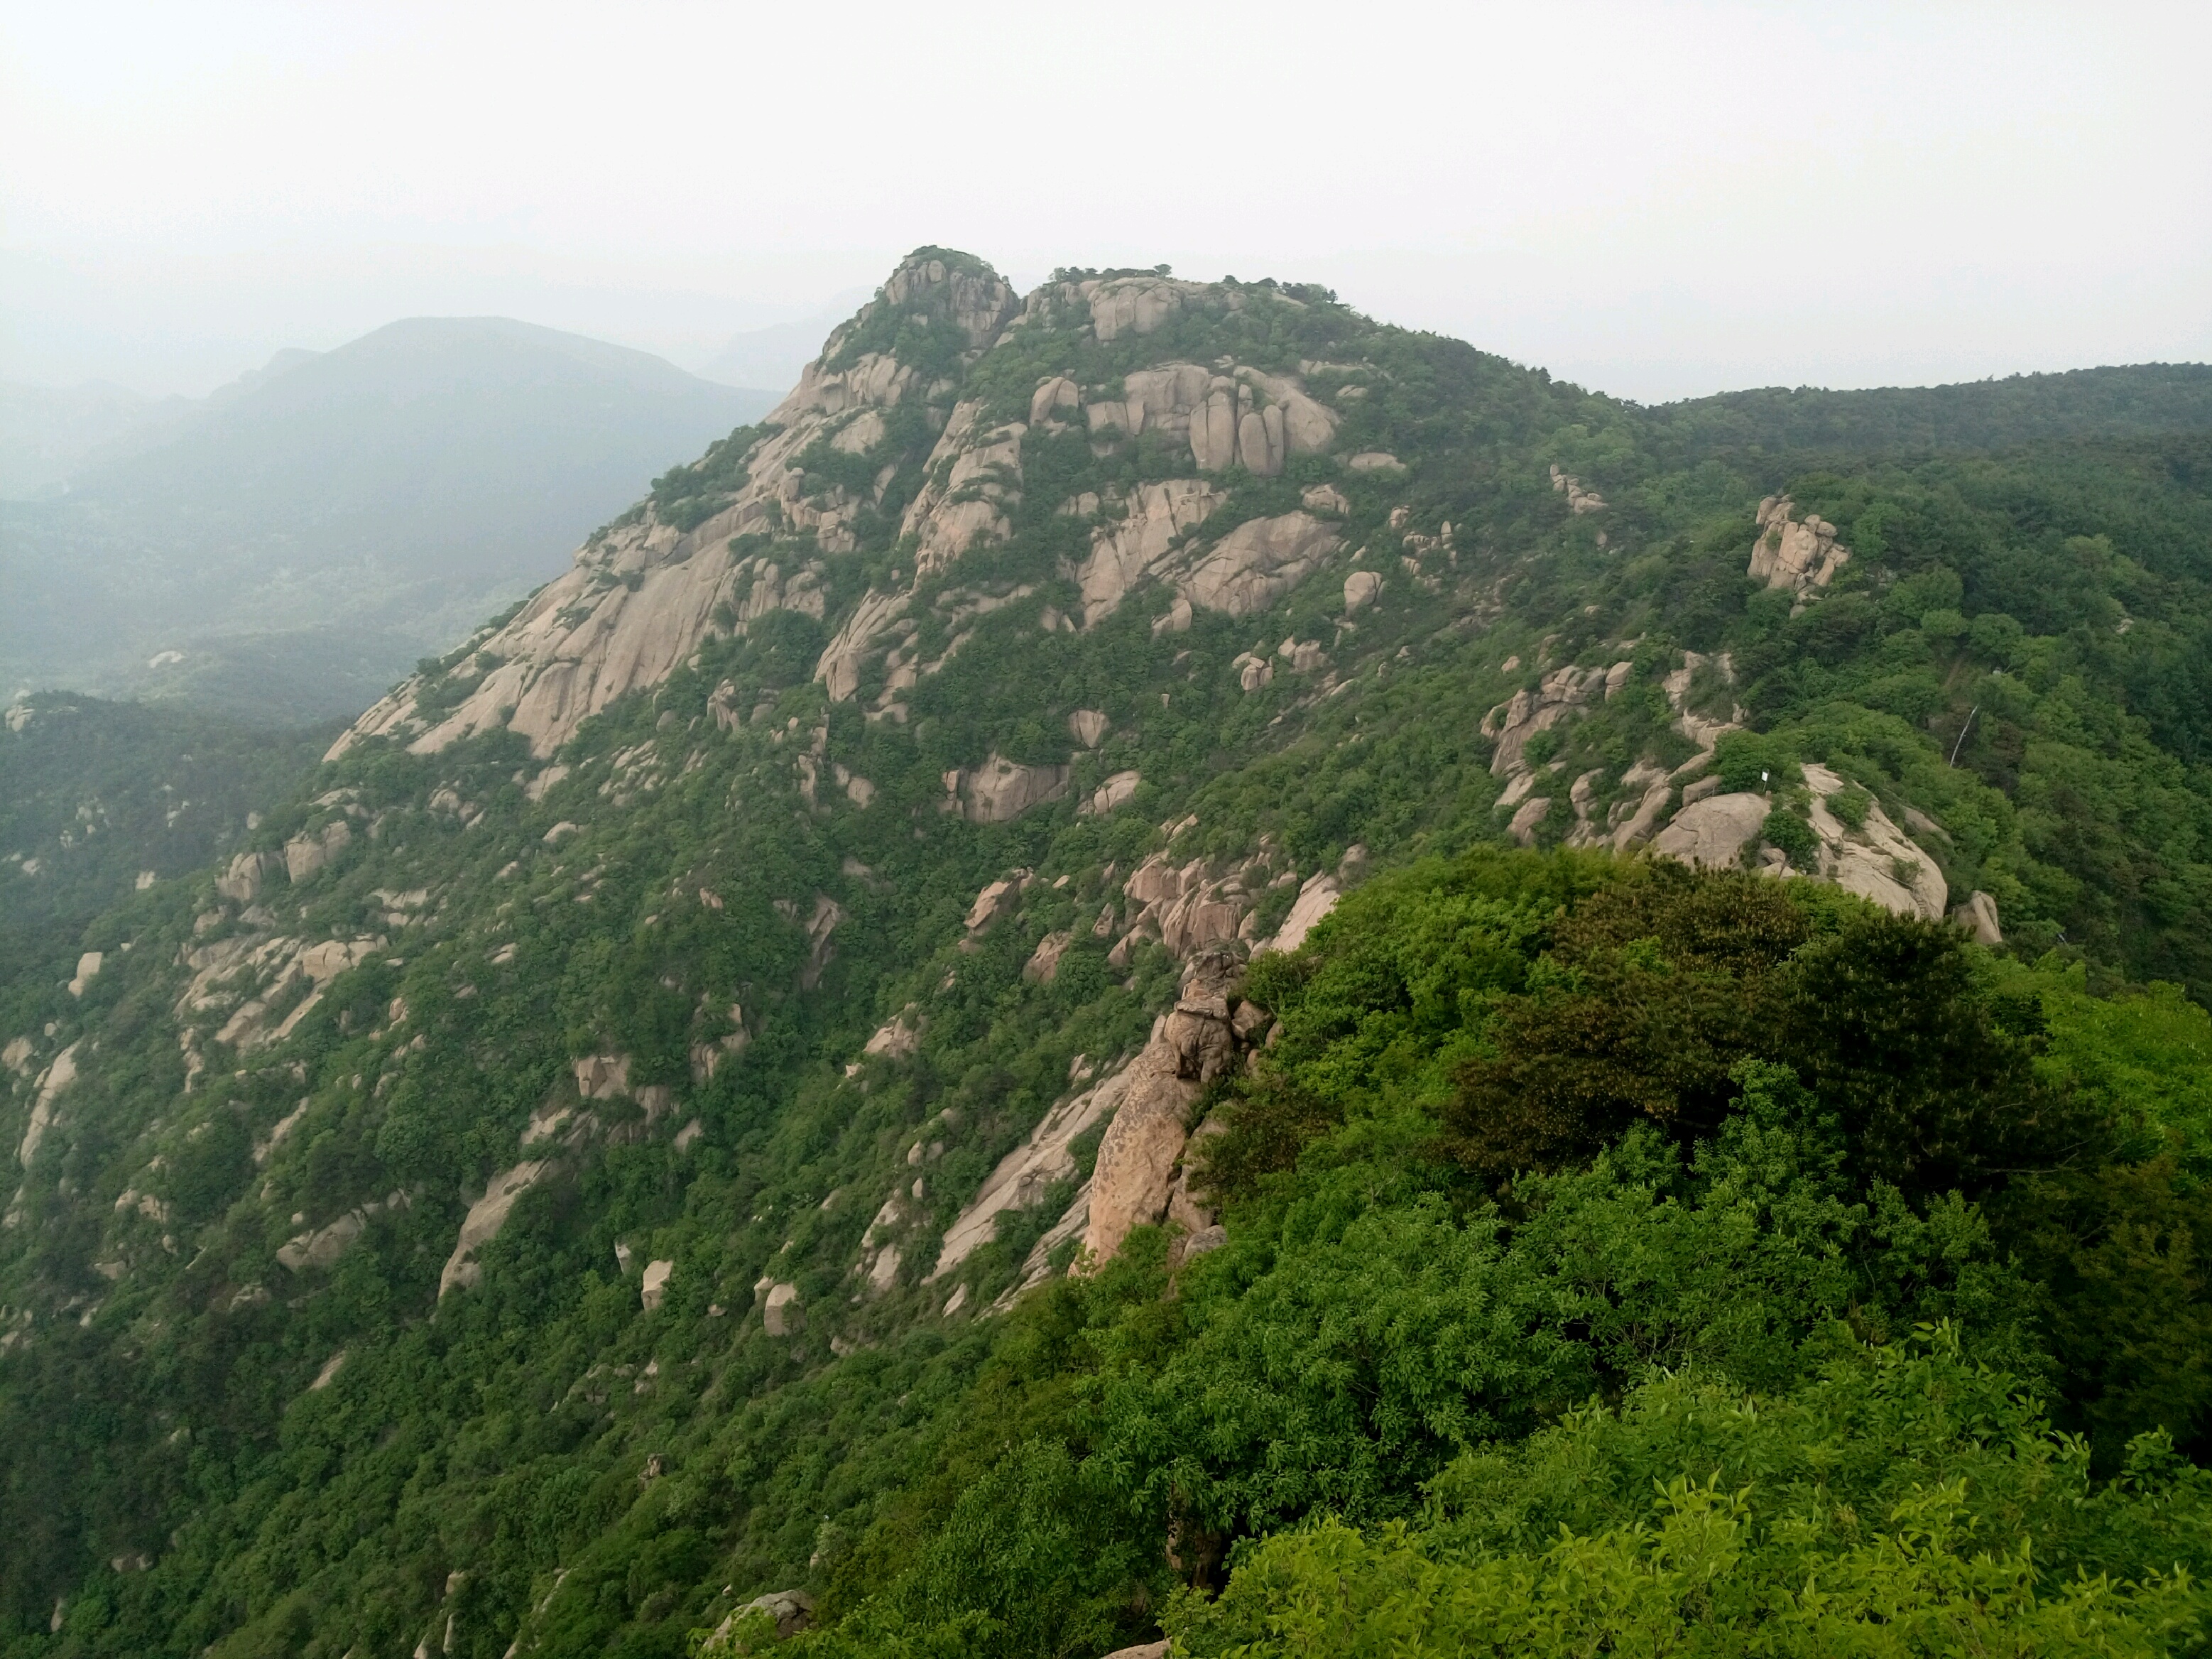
[
  {"x": 95, "y": 796},
  {"x": 1590, "y": 1253}
]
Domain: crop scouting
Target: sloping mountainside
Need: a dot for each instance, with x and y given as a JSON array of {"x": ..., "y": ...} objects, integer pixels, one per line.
[
  {"x": 289, "y": 550},
  {"x": 99, "y": 799},
  {"x": 1167, "y": 964}
]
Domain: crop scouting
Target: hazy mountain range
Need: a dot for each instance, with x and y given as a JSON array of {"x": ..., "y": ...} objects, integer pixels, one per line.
[{"x": 285, "y": 547}]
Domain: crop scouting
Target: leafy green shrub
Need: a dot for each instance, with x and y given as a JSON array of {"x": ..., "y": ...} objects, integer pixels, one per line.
[
  {"x": 1755, "y": 762},
  {"x": 1850, "y": 804},
  {"x": 1793, "y": 835}
]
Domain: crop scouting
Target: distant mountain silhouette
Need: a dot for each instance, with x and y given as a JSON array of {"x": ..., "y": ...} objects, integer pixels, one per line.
[{"x": 289, "y": 545}]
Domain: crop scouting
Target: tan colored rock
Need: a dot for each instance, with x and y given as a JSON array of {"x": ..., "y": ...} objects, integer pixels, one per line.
[
  {"x": 57, "y": 1076},
  {"x": 896, "y": 1038},
  {"x": 1088, "y": 726},
  {"x": 1579, "y": 501},
  {"x": 16, "y": 1056},
  {"x": 1301, "y": 425},
  {"x": 1253, "y": 673},
  {"x": 1001, "y": 790},
  {"x": 1376, "y": 460},
  {"x": 1051, "y": 397},
  {"x": 1712, "y": 833},
  {"x": 1317, "y": 897},
  {"x": 781, "y": 1314},
  {"x": 999, "y": 899},
  {"x": 1200, "y": 919},
  {"x": 1259, "y": 561},
  {"x": 1124, "y": 552},
  {"x": 1562, "y": 691},
  {"x": 1111, "y": 794},
  {"x": 1360, "y": 589},
  {"x": 484, "y": 1219},
  {"x": 1977, "y": 915},
  {"x": 1325, "y": 498},
  {"x": 88, "y": 969},
  {"x": 1213, "y": 427},
  {"x": 1044, "y": 965},
  {"x": 1800, "y": 555},
  {"x": 602, "y": 1077},
  {"x": 311, "y": 852},
  {"x": 1878, "y": 860},
  {"x": 1162, "y": 399},
  {"x": 1530, "y": 813},
  {"x": 1260, "y": 445},
  {"x": 1643, "y": 821},
  {"x": 839, "y": 668},
  {"x": 242, "y": 882},
  {"x": 652, "y": 1288},
  {"x": 1134, "y": 305},
  {"x": 326, "y": 961},
  {"x": 322, "y": 1247},
  {"x": 970, "y": 505},
  {"x": 1025, "y": 1174},
  {"x": 1135, "y": 1172},
  {"x": 1133, "y": 1180}
]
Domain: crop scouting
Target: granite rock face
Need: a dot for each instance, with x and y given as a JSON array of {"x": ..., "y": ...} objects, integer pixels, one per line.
[
  {"x": 1799, "y": 554},
  {"x": 644, "y": 594}
]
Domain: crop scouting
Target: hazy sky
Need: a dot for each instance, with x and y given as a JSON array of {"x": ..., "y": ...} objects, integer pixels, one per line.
[{"x": 1655, "y": 200}]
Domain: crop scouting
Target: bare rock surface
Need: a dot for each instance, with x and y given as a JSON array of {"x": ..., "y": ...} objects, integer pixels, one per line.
[
  {"x": 1025, "y": 1174},
  {"x": 1977, "y": 915},
  {"x": 1711, "y": 833},
  {"x": 485, "y": 1218},
  {"x": 1317, "y": 897},
  {"x": 1259, "y": 561},
  {"x": 1799, "y": 554},
  {"x": 1000, "y": 789}
]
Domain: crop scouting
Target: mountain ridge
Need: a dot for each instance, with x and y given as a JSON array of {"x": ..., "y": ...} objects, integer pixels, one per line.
[{"x": 1000, "y": 1015}]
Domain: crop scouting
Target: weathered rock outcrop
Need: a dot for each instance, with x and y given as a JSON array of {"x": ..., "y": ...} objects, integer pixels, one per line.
[
  {"x": 1001, "y": 789},
  {"x": 1137, "y": 1159},
  {"x": 1317, "y": 897},
  {"x": 644, "y": 595},
  {"x": 1259, "y": 561},
  {"x": 1025, "y": 1174},
  {"x": 308, "y": 853},
  {"x": 974, "y": 480},
  {"x": 1130, "y": 551},
  {"x": 1977, "y": 914},
  {"x": 484, "y": 1219},
  {"x": 1876, "y": 860},
  {"x": 60, "y": 1072},
  {"x": 321, "y": 1247},
  {"x": 243, "y": 881},
  {"x": 1579, "y": 501},
  {"x": 1800, "y": 555}
]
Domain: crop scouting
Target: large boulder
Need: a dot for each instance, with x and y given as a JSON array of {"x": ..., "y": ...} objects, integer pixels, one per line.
[
  {"x": 1000, "y": 789},
  {"x": 1711, "y": 833},
  {"x": 1259, "y": 561},
  {"x": 312, "y": 851},
  {"x": 1798, "y": 554}
]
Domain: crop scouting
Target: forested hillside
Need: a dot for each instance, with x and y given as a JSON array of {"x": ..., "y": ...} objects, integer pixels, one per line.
[{"x": 1168, "y": 964}]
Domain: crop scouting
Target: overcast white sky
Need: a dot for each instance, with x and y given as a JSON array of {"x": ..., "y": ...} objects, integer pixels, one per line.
[{"x": 1655, "y": 200}]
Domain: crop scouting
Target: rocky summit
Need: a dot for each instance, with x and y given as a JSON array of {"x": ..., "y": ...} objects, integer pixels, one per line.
[{"x": 1157, "y": 946}]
